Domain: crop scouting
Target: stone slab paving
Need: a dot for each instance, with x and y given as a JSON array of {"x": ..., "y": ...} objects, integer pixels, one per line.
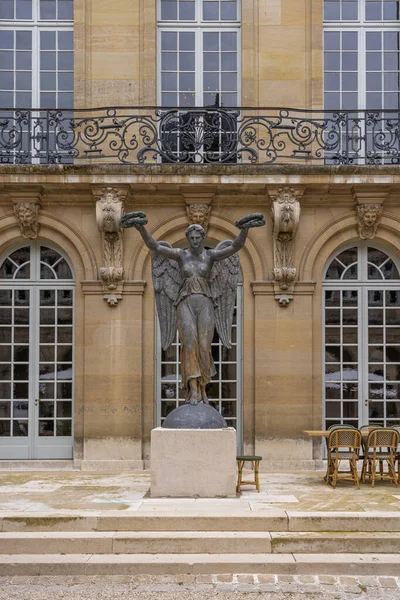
[
  {"x": 58, "y": 491},
  {"x": 189, "y": 587}
]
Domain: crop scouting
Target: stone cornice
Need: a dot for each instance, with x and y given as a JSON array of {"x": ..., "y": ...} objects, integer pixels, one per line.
[
  {"x": 130, "y": 288},
  {"x": 269, "y": 288}
]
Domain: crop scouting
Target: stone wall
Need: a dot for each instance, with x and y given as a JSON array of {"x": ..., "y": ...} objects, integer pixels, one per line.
[{"x": 282, "y": 361}]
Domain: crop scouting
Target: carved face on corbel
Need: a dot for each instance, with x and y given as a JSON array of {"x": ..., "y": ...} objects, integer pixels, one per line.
[
  {"x": 368, "y": 219},
  {"x": 109, "y": 209},
  {"x": 199, "y": 214},
  {"x": 285, "y": 211},
  {"x": 27, "y": 214}
]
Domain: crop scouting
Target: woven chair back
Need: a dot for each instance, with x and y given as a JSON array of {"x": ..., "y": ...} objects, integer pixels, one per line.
[
  {"x": 339, "y": 426},
  {"x": 344, "y": 438},
  {"x": 383, "y": 438}
]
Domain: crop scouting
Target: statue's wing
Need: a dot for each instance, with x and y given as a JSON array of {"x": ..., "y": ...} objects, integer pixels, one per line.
[
  {"x": 167, "y": 281},
  {"x": 223, "y": 285}
]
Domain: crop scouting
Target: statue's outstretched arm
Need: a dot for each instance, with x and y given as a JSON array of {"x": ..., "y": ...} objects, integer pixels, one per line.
[
  {"x": 244, "y": 224},
  {"x": 236, "y": 245},
  {"x": 138, "y": 220},
  {"x": 155, "y": 246}
]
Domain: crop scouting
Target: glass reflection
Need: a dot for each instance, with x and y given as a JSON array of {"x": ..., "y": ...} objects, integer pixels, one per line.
[
  {"x": 20, "y": 428},
  {"x": 46, "y": 428}
]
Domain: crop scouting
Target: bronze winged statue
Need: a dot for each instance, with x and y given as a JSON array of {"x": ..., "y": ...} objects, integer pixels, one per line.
[{"x": 195, "y": 292}]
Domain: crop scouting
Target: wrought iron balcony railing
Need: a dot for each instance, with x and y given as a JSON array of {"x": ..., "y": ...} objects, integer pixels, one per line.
[{"x": 147, "y": 135}]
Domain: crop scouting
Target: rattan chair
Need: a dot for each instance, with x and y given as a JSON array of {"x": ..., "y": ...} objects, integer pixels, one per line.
[
  {"x": 343, "y": 444},
  {"x": 381, "y": 446},
  {"x": 340, "y": 426}
]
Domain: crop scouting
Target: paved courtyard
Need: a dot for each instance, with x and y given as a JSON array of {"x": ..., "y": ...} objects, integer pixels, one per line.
[{"x": 66, "y": 491}]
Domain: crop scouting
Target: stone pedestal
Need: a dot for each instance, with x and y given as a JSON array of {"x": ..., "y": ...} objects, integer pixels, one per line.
[{"x": 193, "y": 463}]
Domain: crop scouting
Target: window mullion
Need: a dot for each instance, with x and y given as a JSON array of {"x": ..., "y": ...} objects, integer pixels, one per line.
[
  {"x": 199, "y": 58},
  {"x": 35, "y": 66}
]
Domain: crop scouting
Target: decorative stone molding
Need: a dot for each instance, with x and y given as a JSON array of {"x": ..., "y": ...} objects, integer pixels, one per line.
[
  {"x": 285, "y": 220},
  {"x": 199, "y": 214},
  {"x": 198, "y": 208},
  {"x": 369, "y": 216},
  {"x": 26, "y": 209},
  {"x": 369, "y": 208},
  {"x": 109, "y": 210}
]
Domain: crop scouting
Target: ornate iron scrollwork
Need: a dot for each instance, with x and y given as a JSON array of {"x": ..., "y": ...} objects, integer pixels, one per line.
[{"x": 199, "y": 135}]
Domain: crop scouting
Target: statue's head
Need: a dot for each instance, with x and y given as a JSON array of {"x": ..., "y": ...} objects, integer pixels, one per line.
[
  {"x": 370, "y": 217},
  {"x": 195, "y": 235}
]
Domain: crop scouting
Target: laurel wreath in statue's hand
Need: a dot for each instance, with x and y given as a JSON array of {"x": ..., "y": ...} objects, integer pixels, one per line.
[
  {"x": 253, "y": 220},
  {"x": 133, "y": 219}
]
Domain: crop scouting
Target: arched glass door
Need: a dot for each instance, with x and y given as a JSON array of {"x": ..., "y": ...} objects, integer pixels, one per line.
[
  {"x": 36, "y": 354},
  {"x": 362, "y": 337}
]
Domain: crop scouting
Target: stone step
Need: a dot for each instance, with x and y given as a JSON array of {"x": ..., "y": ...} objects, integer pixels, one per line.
[
  {"x": 335, "y": 541},
  {"x": 128, "y": 542},
  {"x": 154, "y": 564},
  {"x": 195, "y": 542},
  {"x": 226, "y": 520}
]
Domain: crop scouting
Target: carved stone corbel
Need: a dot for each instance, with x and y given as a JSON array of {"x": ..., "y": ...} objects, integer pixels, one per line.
[
  {"x": 369, "y": 216},
  {"x": 369, "y": 208},
  {"x": 26, "y": 209},
  {"x": 198, "y": 208},
  {"x": 109, "y": 210},
  {"x": 285, "y": 220}
]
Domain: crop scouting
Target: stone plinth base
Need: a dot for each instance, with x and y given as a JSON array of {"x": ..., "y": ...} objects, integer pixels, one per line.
[{"x": 194, "y": 463}]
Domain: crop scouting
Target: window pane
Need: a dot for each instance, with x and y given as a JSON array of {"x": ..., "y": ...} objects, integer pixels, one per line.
[
  {"x": 228, "y": 11},
  {"x": 187, "y": 61},
  {"x": 169, "y": 10},
  {"x": 48, "y": 9},
  {"x": 228, "y": 41},
  {"x": 47, "y": 40},
  {"x": 66, "y": 10},
  {"x": 350, "y": 11},
  {"x": 23, "y": 40},
  {"x": 6, "y": 39},
  {"x": 187, "y": 40},
  {"x": 24, "y": 9},
  {"x": 210, "y": 11},
  {"x": 7, "y": 60},
  {"x": 65, "y": 40},
  {"x": 23, "y": 81},
  {"x": 169, "y": 40},
  {"x": 228, "y": 61},
  {"x": 186, "y": 10},
  {"x": 169, "y": 61},
  {"x": 7, "y": 9},
  {"x": 373, "y": 11},
  {"x": 211, "y": 41}
]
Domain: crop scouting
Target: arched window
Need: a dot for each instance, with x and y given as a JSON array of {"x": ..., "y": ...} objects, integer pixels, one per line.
[
  {"x": 362, "y": 337},
  {"x": 36, "y": 353}
]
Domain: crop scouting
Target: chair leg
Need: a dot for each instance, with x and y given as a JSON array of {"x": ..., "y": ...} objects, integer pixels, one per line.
[
  {"x": 256, "y": 477},
  {"x": 353, "y": 465},
  {"x": 392, "y": 472},
  {"x": 335, "y": 472},
  {"x": 373, "y": 473},
  {"x": 240, "y": 471}
]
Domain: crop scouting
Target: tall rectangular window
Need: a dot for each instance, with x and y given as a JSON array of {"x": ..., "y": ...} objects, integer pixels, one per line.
[
  {"x": 36, "y": 54},
  {"x": 361, "y": 54},
  {"x": 199, "y": 45}
]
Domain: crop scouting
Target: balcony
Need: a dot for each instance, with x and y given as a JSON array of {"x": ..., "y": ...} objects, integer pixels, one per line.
[{"x": 241, "y": 136}]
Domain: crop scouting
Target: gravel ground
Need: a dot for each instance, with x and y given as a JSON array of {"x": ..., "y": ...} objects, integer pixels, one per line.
[{"x": 204, "y": 587}]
